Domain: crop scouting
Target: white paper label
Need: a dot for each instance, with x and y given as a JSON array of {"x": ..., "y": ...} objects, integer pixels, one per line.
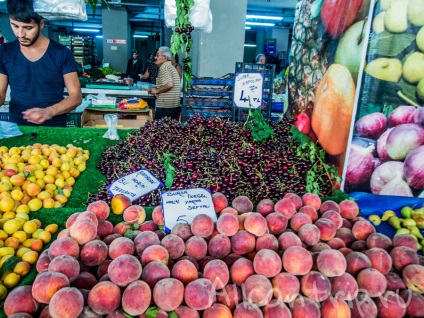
[
  {"x": 181, "y": 206},
  {"x": 135, "y": 185},
  {"x": 248, "y": 86}
]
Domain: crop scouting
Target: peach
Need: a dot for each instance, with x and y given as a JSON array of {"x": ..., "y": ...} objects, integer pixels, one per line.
[
  {"x": 335, "y": 308},
  {"x": 316, "y": 286},
  {"x": 64, "y": 246},
  {"x": 64, "y": 233},
  {"x": 83, "y": 231},
  {"x": 363, "y": 306},
  {"x": 148, "y": 226},
  {"x": 174, "y": 244},
  {"x": 86, "y": 313},
  {"x": 247, "y": 309},
  {"x": 155, "y": 253},
  {"x": 346, "y": 223},
  {"x": 88, "y": 215},
  {"x": 313, "y": 214},
  {"x": 183, "y": 230},
  {"x": 94, "y": 253},
  {"x": 43, "y": 261},
  {"x": 144, "y": 240},
  {"x": 267, "y": 263},
  {"x": 229, "y": 210},
  {"x": 121, "y": 228},
  {"x": 288, "y": 239},
  {"x": 157, "y": 215},
  {"x": 134, "y": 214},
  {"x": 286, "y": 287},
  {"x": 277, "y": 223},
  {"x": 346, "y": 235},
  {"x": 219, "y": 246},
  {"x": 329, "y": 205},
  {"x": 229, "y": 296},
  {"x": 295, "y": 199},
  {"x": 309, "y": 234},
  {"x": 394, "y": 282},
  {"x": 103, "y": 267},
  {"x": 299, "y": 219},
  {"x": 405, "y": 240},
  {"x": 320, "y": 247},
  {"x": 71, "y": 219},
  {"x": 217, "y": 310},
  {"x": 67, "y": 302},
  {"x": 159, "y": 233},
  {"x": 414, "y": 303},
  {"x": 121, "y": 246},
  {"x": 413, "y": 276},
  {"x": 335, "y": 243},
  {"x": 243, "y": 242},
  {"x": 20, "y": 300},
  {"x": 276, "y": 309},
  {"x": 255, "y": 224},
  {"x": 227, "y": 224},
  {"x": 390, "y": 305},
  {"x": 344, "y": 287},
  {"x": 104, "y": 298},
  {"x": 136, "y": 298},
  {"x": 231, "y": 258},
  {"x": 242, "y": 204},
  {"x": 241, "y": 270},
  {"x": 185, "y": 271},
  {"x": 362, "y": 229},
  {"x": 25, "y": 315},
  {"x": 334, "y": 217},
  {"x": 119, "y": 203},
  {"x": 196, "y": 247},
  {"x": 331, "y": 263},
  {"x": 100, "y": 209},
  {"x": 345, "y": 250},
  {"x": 297, "y": 260},
  {"x": 104, "y": 228},
  {"x": 312, "y": 200},
  {"x": 359, "y": 246},
  {"x": 265, "y": 207},
  {"x": 266, "y": 241},
  {"x": 155, "y": 271},
  {"x": 327, "y": 229},
  {"x": 203, "y": 262},
  {"x": 285, "y": 207},
  {"x": 257, "y": 290},
  {"x": 379, "y": 240},
  {"x": 305, "y": 307},
  {"x": 66, "y": 265},
  {"x": 85, "y": 280},
  {"x": 380, "y": 259},
  {"x": 402, "y": 256},
  {"x": 46, "y": 284},
  {"x": 200, "y": 294},
  {"x": 220, "y": 201},
  {"x": 202, "y": 225},
  {"x": 241, "y": 218},
  {"x": 372, "y": 282},
  {"x": 217, "y": 272},
  {"x": 348, "y": 209},
  {"x": 186, "y": 312}
]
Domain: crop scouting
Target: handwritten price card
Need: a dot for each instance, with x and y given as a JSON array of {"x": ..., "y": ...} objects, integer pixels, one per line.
[
  {"x": 248, "y": 86},
  {"x": 135, "y": 185},
  {"x": 181, "y": 206}
]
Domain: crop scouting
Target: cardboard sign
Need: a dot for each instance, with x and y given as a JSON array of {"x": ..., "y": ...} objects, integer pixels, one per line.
[
  {"x": 248, "y": 86},
  {"x": 181, "y": 206},
  {"x": 135, "y": 185}
]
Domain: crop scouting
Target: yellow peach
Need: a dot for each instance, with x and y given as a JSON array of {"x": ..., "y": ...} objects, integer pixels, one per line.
[
  {"x": 35, "y": 204},
  {"x": 30, "y": 257}
]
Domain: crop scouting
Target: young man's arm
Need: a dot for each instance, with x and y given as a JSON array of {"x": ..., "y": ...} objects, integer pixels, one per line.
[{"x": 3, "y": 87}]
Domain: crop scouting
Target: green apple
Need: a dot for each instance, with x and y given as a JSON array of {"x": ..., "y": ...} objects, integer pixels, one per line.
[
  {"x": 396, "y": 19},
  {"x": 413, "y": 68},
  {"x": 386, "y": 69},
  {"x": 349, "y": 50},
  {"x": 378, "y": 23},
  {"x": 420, "y": 39},
  {"x": 416, "y": 12}
]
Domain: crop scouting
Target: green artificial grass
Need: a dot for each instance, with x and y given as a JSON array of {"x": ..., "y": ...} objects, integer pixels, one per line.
[{"x": 87, "y": 182}]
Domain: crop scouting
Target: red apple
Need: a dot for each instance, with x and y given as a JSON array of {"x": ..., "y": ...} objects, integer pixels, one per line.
[{"x": 338, "y": 15}]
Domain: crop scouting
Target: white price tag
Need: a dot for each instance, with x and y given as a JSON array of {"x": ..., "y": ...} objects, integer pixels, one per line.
[
  {"x": 135, "y": 185},
  {"x": 248, "y": 86},
  {"x": 181, "y": 206}
]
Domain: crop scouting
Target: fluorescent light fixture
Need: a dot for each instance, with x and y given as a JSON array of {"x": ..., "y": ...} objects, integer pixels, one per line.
[
  {"x": 250, "y": 45},
  {"x": 99, "y": 36},
  {"x": 86, "y": 30},
  {"x": 263, "y": 17},
  {"x": 247, "y": 28},
  {"x": 260, "y": 23},
  {"x": 140, "y": 36}
]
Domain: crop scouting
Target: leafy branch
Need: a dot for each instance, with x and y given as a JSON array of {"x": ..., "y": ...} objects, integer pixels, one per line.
[
  {"x": 259, "y": 129},
  {"x": 93, "y": 4},
  {"x": 169, "y": 169}
]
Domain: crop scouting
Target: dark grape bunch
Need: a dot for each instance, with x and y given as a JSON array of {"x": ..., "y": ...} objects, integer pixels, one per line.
[{"x": 211, "y": 153}]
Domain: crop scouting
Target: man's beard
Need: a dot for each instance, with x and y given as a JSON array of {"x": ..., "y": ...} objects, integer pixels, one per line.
[{"x": 31, "y": 41}]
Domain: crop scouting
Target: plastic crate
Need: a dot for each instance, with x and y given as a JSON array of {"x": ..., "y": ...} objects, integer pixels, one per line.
[
  {"x": 277, "y": 106},
  {"x": 73, "y": 120},
  {"x": 4, "y": 116}
]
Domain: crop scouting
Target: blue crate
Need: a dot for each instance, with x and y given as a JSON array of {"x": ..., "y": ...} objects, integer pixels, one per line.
[
  {"x": 277, "y": 106},
  {"x": 4, "y": 116},
  {"x": 72, "y": 119}
]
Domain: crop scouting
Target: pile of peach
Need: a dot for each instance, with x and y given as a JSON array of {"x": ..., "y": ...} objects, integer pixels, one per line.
[{"x": 295, "y": 258}]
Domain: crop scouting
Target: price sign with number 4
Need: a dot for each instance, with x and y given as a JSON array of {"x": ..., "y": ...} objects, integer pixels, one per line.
[{"x": 248, "y": 86}]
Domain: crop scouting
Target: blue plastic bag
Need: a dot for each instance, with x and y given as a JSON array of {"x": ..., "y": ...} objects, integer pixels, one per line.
[{"x": 8, "y": 130}]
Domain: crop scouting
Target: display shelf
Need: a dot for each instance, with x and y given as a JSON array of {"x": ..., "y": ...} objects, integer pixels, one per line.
[
  {"x": 207, "y": 96},
  {"x": 73, "y": 119}
]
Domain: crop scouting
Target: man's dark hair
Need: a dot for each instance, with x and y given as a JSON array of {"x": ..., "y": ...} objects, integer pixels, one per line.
[{"x": 23, "y": 11}]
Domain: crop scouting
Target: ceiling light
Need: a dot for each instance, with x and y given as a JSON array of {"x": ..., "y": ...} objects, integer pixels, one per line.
[
  {"x": 99, "y": 36},
  {"x": 263, "y": 17},
  {"x": 140, "y": 36},
  {"x": 250, "y": 45},
  {"x": 247, "y": 28},
  {"x": 260, "y": 23},
  {"x": 86, "y": 30}
]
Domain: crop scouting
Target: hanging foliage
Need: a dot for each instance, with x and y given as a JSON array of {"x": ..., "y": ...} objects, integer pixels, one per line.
[
  {"x": 181, "y": 38},
  {"x": 93, "y": 4}
]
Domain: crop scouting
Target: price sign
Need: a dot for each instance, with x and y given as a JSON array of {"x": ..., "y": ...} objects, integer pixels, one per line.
[
  {"x": 248, "y": 86},
  {"x": 181, "y": 206},
  {"x": 135, "y": 185}
]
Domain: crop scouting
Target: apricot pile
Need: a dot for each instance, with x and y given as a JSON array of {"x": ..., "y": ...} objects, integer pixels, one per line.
[{"x": 298, "y": 257}]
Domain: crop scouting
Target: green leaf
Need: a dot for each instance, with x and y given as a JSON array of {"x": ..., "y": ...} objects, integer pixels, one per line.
[
  {"x": 409, "y": 90},
  {"x": 9, "y": 265},
  {"x": 338, "y": 197},
  {"x": 316, "y": 8},
  {"x": 172, "y": 314},
  {"x": 127, "y": 315},
  {"x": 389, "y": 44},
  {"x": 299, "y": 136},
  {"x": 152, "y": 312},
  {"x": 59, "y": 190},
  {"x": 129, "y": 233}
]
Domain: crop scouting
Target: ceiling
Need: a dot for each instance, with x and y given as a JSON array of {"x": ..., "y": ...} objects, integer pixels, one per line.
[{"x": 147, "y": 15}]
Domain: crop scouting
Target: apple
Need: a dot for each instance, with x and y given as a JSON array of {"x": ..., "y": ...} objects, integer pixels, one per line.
[{"x": 338, "y": 15}]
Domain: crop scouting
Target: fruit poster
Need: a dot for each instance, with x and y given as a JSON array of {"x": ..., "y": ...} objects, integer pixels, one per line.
[{"x": 386, "y": 149}]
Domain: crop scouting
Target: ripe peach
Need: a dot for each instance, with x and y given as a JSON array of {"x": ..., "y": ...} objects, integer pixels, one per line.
[
  {"x": 241, "y": 270},
  {"x": 168, "y": 293},
  {"x": 83, "y": 231},
  {"x": 336, "y": 243},
  {"x": 148, "y": 226},
  {"x": 312, "y": 200},
  {"x": 134, "y": 214},
  {"x": 46, "y": 284},
  {"x": 346, "y": 235},
  {"x": 297, "y": 260},
  {"x": 217, "y": 272},
  {"x": 119, "y": 203},
  {"x": 217, "y": 310},
  {"x": 67, "y": 302},
  {"x": 362, "y": 229},
  {"x": 405, "y": 240},
  {"x": 277, "y": 223},
  {"x": 265, "y": 207},
  {"x": 136, "y": 298},
  {"x": 121, "y": 246},
  {"x": 220, "y": 201},
  {"x": 243, "y": 242},
  {"x": 380, "y": 259},
  {"x": 344, "y": 287},
  {"x": 247, "y": 309},
  {"x": 242, "y": 204},
  {"x": 110, "y": 238},
  {"x": 335, "y": 308},
  {"x": 85, "y": 280},
  {"x": 313, "y": 214},
  {"x": 299, "y": 219},
  {"x": 155, "y": 253},
  {"x": 64, "y": 246},
  {"x": 414, "y": 303},
  {"x": 200, "y": 294},
  {"x": 121, "y": 228},
  {"x": 331, "y": 263},
  {"x": 227, "y": 224},
  {"x": 88, "y": 215},
  {"x": 257, "y": 290},
  {"x": 229, "y": 296},
  {"x": 20, "y": 300},
  {"x": 154, "y": 272},
  {"x": 100, "y": 209},
  {"x": 403, "y": 256},
  {"x": 363, "y": 306},
  {"x": 183, "y": 230},
  {"x": 157, "y": 215},
  {"x": 185, "y": 271},
  {"x": 285, "y": 207},
  {"x": 329, "y": 205},
  {"x": 202, "y": 225},
  {"x": 66, "y": 265},
  {"x": 186, "y": 312},
  {"x": 229, "y": 210},
  {"x": 413, "y": 276},
  {"x": 304, "y": 307},
  {"x": 309, "y": 234},
  {"x": 390, "y": 305},
  {"x": 43, "y": 261},
  {"x": 103, "y": 267},
  {"x": 104, "y": 298},
  {"x": 394, "y": 282},
  {"x": 94, "y": 253},
  {"x": 286, "y": 287},
  {"x": 144, "y": 240},
  {"x": 372, "y": 281},
  {"x": 219, "y": 246},
  {"x": 288, "y": 239},
  {"x": 255, "y": 224},
  {"x": 276, "y": 309},
  {"x": 266, "y": 241},
  {"x": 379, "y": 240},
  {"x": 327, "y": 228},
  {"x": 316, "y": 286},
  {"x": 348, "y": 209},
  {"x": 104, "y": 228},
  {"x": 174, "y": 244}
]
